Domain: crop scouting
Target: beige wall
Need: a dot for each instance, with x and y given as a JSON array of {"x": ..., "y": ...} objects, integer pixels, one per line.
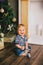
[{"x": 25, "y": 14}]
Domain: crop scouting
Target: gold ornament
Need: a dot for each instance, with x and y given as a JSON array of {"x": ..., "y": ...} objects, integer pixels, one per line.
[
  {"x": 9, "y": 3},
  {"x": 5, "y": 14},
  {"x": 14, "y": 19}
]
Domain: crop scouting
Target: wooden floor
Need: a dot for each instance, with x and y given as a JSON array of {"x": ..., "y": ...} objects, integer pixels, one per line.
[{"x": 8, "y": 57}]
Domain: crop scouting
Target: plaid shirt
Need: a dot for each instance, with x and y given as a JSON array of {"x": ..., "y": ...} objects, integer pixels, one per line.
[{"x": 21, "y": 41}]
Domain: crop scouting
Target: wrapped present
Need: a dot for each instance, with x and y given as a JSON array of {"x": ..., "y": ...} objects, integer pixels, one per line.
[{"x": 1, "y": 43}]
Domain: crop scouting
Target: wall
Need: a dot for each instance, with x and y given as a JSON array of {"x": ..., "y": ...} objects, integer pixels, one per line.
[
  {"x": 24, "y": 14},
  {"x": 35, "y": 22}
]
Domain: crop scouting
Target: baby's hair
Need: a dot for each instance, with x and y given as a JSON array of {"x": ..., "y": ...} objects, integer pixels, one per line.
[{"x": 21, "y": 25}]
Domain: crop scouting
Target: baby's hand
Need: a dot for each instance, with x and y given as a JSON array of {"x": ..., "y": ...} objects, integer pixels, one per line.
[{"x": 22, "y": 47}]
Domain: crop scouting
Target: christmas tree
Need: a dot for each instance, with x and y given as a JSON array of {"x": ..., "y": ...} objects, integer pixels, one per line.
[{"x": 8, "y": 21}]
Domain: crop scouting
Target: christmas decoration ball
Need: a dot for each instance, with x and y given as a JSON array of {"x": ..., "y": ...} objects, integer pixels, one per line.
[
  {"x": 14, "y": 19},
  {"x": 2, "y": 34},
  {"x": 2, "y": 10},
  {"x": 9, "y": 3}
]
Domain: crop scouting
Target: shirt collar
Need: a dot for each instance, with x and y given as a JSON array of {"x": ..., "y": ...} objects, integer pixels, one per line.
[{"x": 22, "y": 37}]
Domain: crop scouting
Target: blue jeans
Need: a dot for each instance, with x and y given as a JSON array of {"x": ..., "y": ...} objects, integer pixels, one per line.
[{"x": 19, "y": 52}]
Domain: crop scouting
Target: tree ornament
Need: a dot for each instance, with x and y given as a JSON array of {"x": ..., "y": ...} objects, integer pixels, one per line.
[
  {"x": 2, "y": 10},
  {"x": 9, "y": 3},
  {"x": 2, "y": 34},
  {"x": 10, "y": 27},
  {"x": 5, "y": 14},
  {"x": 14, "y": 19}
]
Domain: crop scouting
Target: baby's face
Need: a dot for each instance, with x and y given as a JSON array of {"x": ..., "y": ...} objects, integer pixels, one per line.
[{"x": 21, "y": 31}]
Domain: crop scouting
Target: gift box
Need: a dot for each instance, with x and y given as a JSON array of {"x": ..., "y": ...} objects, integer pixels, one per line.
[{"x": 1, "y": 43}]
